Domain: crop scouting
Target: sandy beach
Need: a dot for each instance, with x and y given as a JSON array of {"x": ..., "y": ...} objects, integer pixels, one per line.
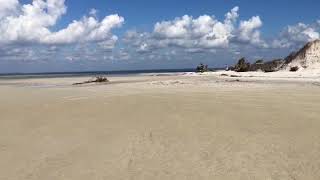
[{"x": 180, "y": 126}]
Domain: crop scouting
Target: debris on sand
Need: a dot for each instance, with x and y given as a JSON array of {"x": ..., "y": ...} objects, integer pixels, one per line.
[
  {"x": 316, "y": 83},
  {"x": 235, "y": 76},
  {"x": 294, "y": 69},
  {"x": 98, "y": 79},
  {"x": 224, "y": 75},
  {"x": 201, "y": 68}
]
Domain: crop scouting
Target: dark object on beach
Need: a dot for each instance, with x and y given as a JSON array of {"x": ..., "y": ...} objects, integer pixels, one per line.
[
  {"x": 101, "y": 79},
  {"x": 260, "y": 61},
  {"x": 235, "y": 80},
  {"x": 316, "y": 84},
  {"x": 235, "y": 76},
  {"x": 202, "y": 68},
  {"x": 294, "y": 68},
  {"x": 270, "y": 66},
  {"x": 224, "y": 75},
  {"x": 98, "y": 79},
  {"x": 241, "y": 66}
]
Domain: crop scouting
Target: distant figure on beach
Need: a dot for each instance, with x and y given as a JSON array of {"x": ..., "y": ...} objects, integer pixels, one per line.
[{"x": 226, "y": 67}]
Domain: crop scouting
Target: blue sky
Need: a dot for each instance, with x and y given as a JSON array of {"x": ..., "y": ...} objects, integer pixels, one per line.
[
  {"x": 83, "y": 35},
  {"x": 144, "y": 13}
]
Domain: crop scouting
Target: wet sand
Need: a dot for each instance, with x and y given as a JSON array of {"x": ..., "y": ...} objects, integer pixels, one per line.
[{"x": 159, "y": 128}]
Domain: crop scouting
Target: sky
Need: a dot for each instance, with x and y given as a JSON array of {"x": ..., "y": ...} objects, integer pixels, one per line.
[{"x": 95, "y": 35}]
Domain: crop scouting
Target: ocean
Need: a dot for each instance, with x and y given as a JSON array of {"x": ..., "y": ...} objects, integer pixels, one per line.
[{"x": 91, "y": 73}]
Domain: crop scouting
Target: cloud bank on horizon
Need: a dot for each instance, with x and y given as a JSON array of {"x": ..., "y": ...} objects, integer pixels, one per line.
[{"x": 26, "y": 34}]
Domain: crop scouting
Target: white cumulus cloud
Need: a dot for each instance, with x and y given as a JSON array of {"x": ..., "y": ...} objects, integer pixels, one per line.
[
  {"x": 86, "y": 30},
  {"x": 297, "y": 35},
  {"x": 7, "y": 7},
  {"x": 204, "y": 33},
  {"x": 249, "y": 31},
  {"x": 31, "y": 23}
]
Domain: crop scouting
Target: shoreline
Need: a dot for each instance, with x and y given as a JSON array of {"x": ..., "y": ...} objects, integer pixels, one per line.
[{"x": 181, "y": 78}]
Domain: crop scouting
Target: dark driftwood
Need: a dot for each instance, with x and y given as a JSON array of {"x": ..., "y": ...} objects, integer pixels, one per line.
[
  {"x": 294, "y": 68},
  {"x": 224, "y": 75},
  {"x": 98, "y": 79},
  {"x": 235, "y": 76}
]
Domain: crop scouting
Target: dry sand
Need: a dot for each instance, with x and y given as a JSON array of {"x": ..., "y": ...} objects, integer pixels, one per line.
[{"x": 160, "y": 128}]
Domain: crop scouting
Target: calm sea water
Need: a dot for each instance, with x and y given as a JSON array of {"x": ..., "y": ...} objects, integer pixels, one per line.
[{"x": 93, "y": 73}]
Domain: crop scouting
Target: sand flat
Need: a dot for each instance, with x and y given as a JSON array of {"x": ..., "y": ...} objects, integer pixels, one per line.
[{"x": 173, "y": 127}]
